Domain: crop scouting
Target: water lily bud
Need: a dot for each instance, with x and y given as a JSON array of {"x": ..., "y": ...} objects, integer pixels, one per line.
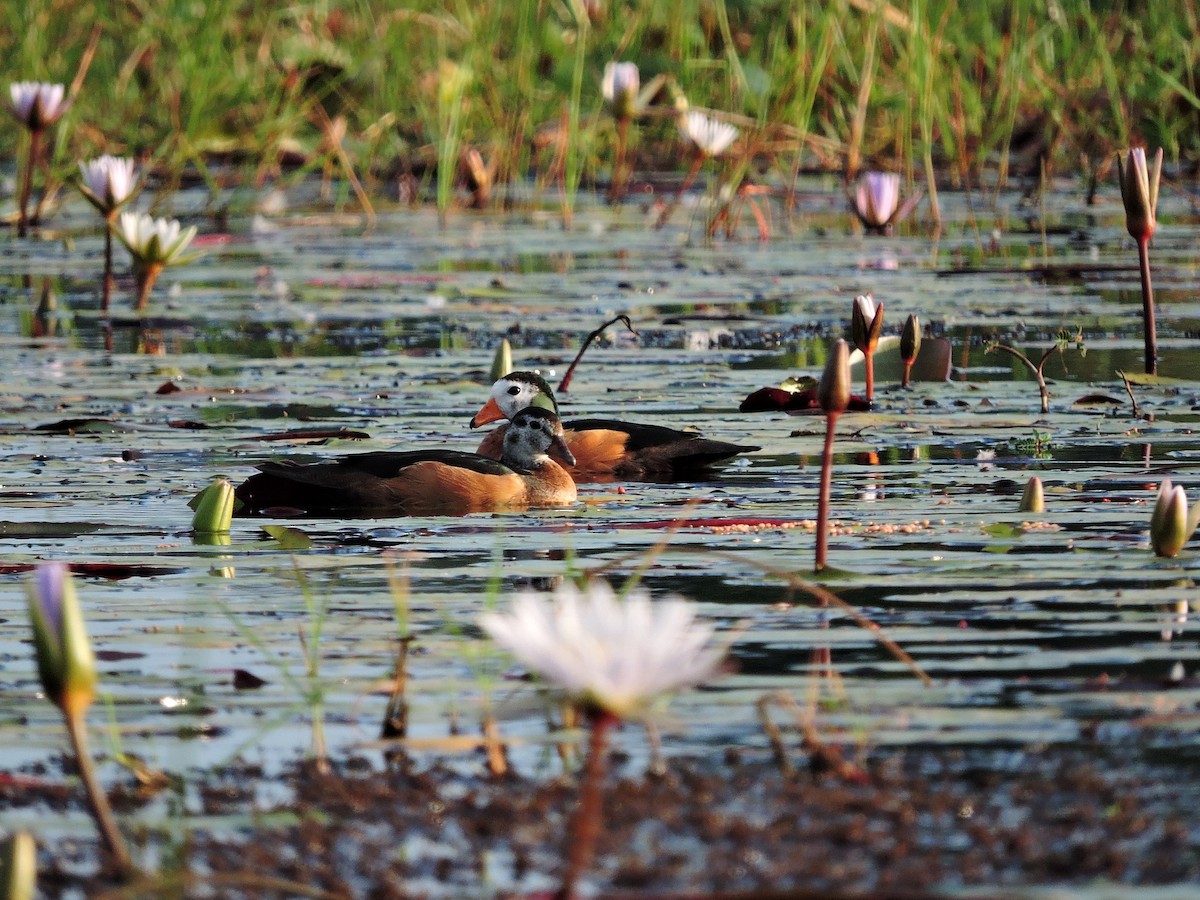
[
  {"x": 37, "y": 104},
  {"x": 1034, "y": 499},
  {"x": 18, "y": 866},
  {"x": 65, "y": 661},
  {"x": 833, "y": 392},
  {"x": 910, "y": 339},
  {"x": 1139, "y": 191},
  {"x": 1169, "y": 522},
  {"x": 502, "y": 361},
  {"x": 214, "y": 508},
  {"x": 866, "y": 323}
]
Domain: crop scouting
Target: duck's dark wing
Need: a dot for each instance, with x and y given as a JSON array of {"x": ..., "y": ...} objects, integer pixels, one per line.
[
  {"x": 358, "y": 484},
  {"x": 658, "y": 453}
]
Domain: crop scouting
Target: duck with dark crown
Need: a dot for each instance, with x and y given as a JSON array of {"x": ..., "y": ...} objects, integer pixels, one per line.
[
  {"x": 422, "y": 482},
  {"x": 604, "y": 449}
]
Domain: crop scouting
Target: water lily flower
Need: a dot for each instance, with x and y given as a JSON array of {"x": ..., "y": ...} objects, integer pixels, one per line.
[
  {"x": 910, "y": 346},
  {"x": 37, "y": 104},
  {"x": 66, "y": 664},
  {"x": 1139, "y": 191},
  {"x": 107, "y": 183},
  {"x": 1171, "y": 523},
  {"x": 877, "y": 198},
  {"x": 620, "y": 87},
  {"x": 614, "y": 656},
  {"x": 866, "y": 325},
  {"x": 709, "y": 136},
  {"x": 153, "y": 244}
]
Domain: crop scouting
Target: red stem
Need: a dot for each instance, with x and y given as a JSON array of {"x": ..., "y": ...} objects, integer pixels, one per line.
[
  {"x": 823, "y": 496},
  {"x": 35, "y": 150},
  {"x": 1149, "y": 328},
  {"x": 106, "y": 290},
  {"x": 617, "y": 192},
  {"x": 585, "y": 827},
  {"x": 904, "y": 378},
  {"x": 697, "y": 162},
  {"x": 870, "y": 357}
]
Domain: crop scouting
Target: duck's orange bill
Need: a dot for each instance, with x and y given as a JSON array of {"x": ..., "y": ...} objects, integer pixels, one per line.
[{"x": 489, "y": 413}]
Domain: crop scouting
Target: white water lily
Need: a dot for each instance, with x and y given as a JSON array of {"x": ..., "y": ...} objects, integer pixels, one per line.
[
  {"x": 866, "y": 323},
  {"x": 1172, "y": 524},
  {"x": 620, "y": 87},
  {"x": 107, "y": 182},
  {"x": 37, "y": 104},
  {"x": 1139, "y": 191},
  {"x": 154, "y": 241},
  {"x": 710, "y": 137},
  {"x": 613, "y": 655}
]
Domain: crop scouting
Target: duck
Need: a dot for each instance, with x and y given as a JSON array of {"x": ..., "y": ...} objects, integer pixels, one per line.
[
  {"x": 422, "y": 482},
  {"x": 604, "y": 449}
]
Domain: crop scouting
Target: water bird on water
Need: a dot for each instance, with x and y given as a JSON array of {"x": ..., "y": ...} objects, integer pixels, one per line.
[
  {"x": 604, "y": 449},
  {"x": 422, "y": 482}
]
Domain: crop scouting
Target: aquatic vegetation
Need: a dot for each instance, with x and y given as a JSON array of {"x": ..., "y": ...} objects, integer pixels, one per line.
[
  {"x": 18, "y": 866},
  {"x": 1139, "y": 191},
  {"x": 1037, "y": 369},
  {"x": 67, "y": 668},
  {"x": 1033, "y": 498},
  {"x": 37, "y": 105},
  {"x": 1172, "y": 524},
  {"x": 616, "y": 657},
  {"x": 866, "y": 326},
  {"x": 213, "y": 508},
  {"x": 833, "y": 395},
  {"x": 108, "y": 183},
  {"x": 154, "y": 244}
]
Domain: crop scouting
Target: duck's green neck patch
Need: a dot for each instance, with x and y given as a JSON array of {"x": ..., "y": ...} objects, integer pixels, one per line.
[{"x": 545, "y": 396}]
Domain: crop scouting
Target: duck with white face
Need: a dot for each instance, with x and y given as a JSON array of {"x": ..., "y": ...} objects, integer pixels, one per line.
[
  {"x": 422, "y": 482},
  {"x": 604, "y": 449}
]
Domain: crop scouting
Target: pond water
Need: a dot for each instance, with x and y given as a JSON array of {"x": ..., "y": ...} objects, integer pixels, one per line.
[{"x": 1031, "y": 628}]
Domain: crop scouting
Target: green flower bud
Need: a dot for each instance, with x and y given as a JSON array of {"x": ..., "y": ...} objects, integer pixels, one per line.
[
  {"x": 64, "y": 654},
  {"x": 1034, "y": 499},
  {"x": 214, "y": 508},
  {"x": 18, "y": 866},
  {"x": 502, "y": 361},
  {"x": 833, "y": 392}
]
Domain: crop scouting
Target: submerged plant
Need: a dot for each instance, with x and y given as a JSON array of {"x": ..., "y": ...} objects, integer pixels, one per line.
[
  {"x": 154, "y": 244},
  {"x": 615, "y": 657},
  {"x": 833, "y": 394},
  {"x": 866, "y": 325},
  {"x": 1139, "y": 191},
  {"x": 108, "y": 184},
  {"x": 37, "y": 105},
  {"x": 1172, "y": 524},
  {"x": 1061, "y": 342},
  {"x": 67, "y": 668}
]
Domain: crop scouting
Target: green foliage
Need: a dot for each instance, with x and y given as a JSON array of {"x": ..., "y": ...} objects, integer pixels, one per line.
[{"x": 967, "y": 87}]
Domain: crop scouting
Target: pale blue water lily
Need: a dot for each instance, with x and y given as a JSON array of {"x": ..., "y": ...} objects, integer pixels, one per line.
[
  {"x": 154, "y": 241},
  {"x": 37, "y": 104},
  {"x": 708, "y": 135},
  {"x": 107, "y": 182},
  {"x": 66, "y": 664},
  {"x": 620, "y": 87}
]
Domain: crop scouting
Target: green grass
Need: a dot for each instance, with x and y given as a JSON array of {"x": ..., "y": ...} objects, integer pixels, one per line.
[{"x": 972, "y": 91}]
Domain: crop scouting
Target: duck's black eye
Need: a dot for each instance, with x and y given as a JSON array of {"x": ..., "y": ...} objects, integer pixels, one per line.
[{"x": 513, "y": 391}]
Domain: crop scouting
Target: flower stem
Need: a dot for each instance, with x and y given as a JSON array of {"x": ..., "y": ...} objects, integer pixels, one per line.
[
  {"x": 585, "y": 828},
  {"x": 35, "y": 150},
  {"x": 146, "y": 276},
  {"x": 617, "y": 191},
  {"x": 106, "y": 289},
  {"x": 97, "y": 799},
  {"x": 690, "y": 178},
  {"x": 869, "y": 356},
  {"x": 823, "y": 496},
  {"x": 1149, "y": 329},
  {"x": 906, "y": 375}
]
